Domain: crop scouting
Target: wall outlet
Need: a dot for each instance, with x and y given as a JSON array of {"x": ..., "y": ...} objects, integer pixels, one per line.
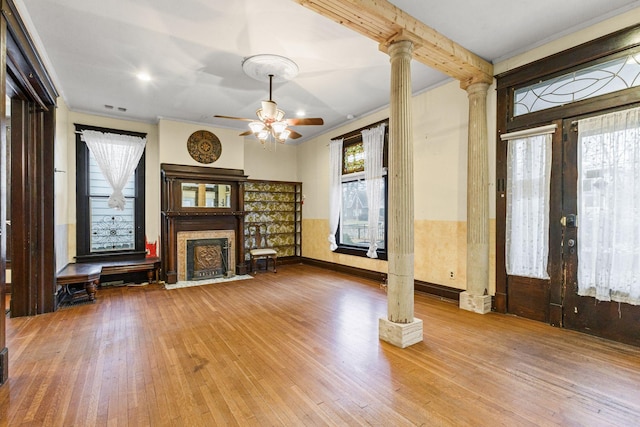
[{"x": 451, "y": 275}]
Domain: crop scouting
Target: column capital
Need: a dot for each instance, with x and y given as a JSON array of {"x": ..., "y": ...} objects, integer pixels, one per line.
[
  {"x": 475, "y": 87},
  {"x": 400, "y": 48},
  {"x": 478, "y": 79}
]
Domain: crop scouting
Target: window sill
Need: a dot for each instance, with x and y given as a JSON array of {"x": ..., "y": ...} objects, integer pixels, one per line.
[
  {"x": 111, "y": 256},
  {"x": 358, "y": 251}
]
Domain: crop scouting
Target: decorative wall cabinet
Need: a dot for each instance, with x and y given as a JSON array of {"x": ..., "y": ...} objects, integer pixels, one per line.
[{"x": 278, "y": 205}]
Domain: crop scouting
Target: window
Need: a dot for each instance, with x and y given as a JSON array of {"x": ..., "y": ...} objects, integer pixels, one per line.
[
  {"x": 587, "y": 82},
  {"x": 352, "y": 236},
  {"x": 103, "y": 232}
]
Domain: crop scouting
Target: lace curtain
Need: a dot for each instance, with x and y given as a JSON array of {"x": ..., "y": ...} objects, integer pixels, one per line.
[
  {"x": 527, "y": 217},
  {"x": 373, "y": 142},
  {"x": 335, "y": 196},
  {"x": 117, "y": 157},
  {"x": 609, "y": 207}
]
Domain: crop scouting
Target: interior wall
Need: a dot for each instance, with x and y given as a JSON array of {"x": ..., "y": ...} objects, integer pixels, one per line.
[
  {"x": 440, "y": 118},
  {"x": 173, "y": 136},
  {"x": 62, "y": 196},
  {"x": 440, "y": 122},
  {"x": 279, "y": 164}
]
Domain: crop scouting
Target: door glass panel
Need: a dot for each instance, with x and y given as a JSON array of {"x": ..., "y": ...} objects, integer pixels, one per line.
[
  {"x": 609, "y": 207},
  {"x": 527, "y": 218}
]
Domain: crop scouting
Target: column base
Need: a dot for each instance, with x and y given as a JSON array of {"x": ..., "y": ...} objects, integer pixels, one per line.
[
  {"x": 400, "y": 334},
  {"x": 477, "y": 303}
]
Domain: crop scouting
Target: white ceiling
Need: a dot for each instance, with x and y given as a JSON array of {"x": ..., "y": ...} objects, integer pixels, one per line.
[{"x": 193, "y": 49}]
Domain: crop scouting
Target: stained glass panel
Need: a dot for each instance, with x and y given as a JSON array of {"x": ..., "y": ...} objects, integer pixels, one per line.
[
  {"x": 353, "y": 158},
  {"x": 600, "y": 79}
]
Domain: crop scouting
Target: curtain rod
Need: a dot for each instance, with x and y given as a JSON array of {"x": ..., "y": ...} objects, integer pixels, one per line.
[{"x": 358, "y": 132}]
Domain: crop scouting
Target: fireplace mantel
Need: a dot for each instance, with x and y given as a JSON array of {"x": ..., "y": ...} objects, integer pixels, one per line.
[{"x": 180, "y": 217}]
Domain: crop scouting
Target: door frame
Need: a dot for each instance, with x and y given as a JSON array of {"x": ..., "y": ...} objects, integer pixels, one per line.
[
  {"x": 613, "y": 45},
  {"x": 24, "y": 77}
]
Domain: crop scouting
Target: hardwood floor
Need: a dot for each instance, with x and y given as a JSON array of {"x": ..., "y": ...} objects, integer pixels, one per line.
[{"x": 301, "y": 347}]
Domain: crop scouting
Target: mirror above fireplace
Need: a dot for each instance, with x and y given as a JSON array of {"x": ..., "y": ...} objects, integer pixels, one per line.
[{"x": 199, "y": 195}]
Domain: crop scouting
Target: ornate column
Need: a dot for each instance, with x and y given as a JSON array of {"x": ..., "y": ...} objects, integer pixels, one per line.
[
  {"x": 400, "y": 328},
  {"x": 476, "y": 297}
]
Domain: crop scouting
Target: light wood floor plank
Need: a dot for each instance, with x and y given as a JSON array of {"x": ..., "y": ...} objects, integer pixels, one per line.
[{"x": 301, "y": 348}]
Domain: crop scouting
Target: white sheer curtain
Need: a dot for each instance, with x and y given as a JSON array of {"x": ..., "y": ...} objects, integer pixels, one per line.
[
  {"x": 609, "y": 207},
  {"x": 335, "y": 196},
  {"x": 373, "y": 143},
  {"x": 527, "y": 219},
  {"x": 117, "y": 157}
]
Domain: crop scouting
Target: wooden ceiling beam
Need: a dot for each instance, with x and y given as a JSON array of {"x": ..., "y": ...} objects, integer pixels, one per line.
[{"x": 384, "y": 23}]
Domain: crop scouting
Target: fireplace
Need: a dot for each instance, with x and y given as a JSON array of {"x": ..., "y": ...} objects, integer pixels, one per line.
[
  {"x": 214, "y": 250},
  {"x": 207, "y": 259},
  {"x": 201, "y": 202}
]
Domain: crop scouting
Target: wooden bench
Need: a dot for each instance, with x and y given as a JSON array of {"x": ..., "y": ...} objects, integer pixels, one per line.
[{"x": 73, "y": 275}]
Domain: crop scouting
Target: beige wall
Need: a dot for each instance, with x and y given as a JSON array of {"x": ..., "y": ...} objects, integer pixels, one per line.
[
  {"x": 440, "y": 118},
  {"x": 173, "y": 136},
  {"x": 278, "y": 164}
]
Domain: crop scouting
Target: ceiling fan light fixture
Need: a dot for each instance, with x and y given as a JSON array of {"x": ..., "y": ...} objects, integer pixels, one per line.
[
  {"x": 282, "y": 137},
  {"x": 263, "y": 135},
  {"x": 256, "y": 126},
  {"x": 279, "y": 127},
  {"x": 269, "y": 110}
]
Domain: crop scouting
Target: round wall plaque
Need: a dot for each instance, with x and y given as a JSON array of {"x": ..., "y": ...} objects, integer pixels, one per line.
[{"x": 204, "y": 146}]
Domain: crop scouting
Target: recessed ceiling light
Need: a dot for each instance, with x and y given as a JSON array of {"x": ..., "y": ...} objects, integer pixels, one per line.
[
  {"x": 145, "y": 77},
  {"x": 300, "y": 113}
]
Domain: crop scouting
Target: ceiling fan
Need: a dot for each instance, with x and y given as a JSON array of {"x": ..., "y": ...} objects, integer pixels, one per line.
[{"x": 271, "y": 122}]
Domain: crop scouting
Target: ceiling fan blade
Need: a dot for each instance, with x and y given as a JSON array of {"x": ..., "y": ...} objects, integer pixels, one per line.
[
  {"x": 305, "y": 121},
  {"x": 294, "y": 134},
  {"x": 234, "y": 118},
  {"x": 246, "y": 132}
]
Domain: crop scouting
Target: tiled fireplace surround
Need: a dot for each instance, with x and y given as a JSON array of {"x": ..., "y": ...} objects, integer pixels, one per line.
[{"x": 184, "y": 236}]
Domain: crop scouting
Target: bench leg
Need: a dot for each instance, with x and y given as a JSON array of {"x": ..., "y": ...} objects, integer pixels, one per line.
[{"x": 91, "y": 288}]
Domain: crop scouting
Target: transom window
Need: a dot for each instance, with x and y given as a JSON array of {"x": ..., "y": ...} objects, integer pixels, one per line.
[{"x": 599, "y": 79}]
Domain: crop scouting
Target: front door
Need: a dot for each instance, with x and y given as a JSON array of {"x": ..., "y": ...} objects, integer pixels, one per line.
[{"x": 601, "y": 204}]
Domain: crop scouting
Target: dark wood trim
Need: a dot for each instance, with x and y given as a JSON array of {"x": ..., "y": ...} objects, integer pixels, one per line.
[
  {"x": 353, "y": 135},
  {"x": 80, "y": 127},
  {"x": 175, "y": 218},
  {"x": 440, "y": 291},
  {"x": 613, "y": 321},
  {"x": 562, "y": 62},
  {"x": 83, "y": 228},
  {"x": 346, "y": 269},
  {"x": 4, "y": 363},
  {"x": 4, "y": 191},
  {"x": 24, "y": 59},
  {"x": 359, "y": 251}
]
